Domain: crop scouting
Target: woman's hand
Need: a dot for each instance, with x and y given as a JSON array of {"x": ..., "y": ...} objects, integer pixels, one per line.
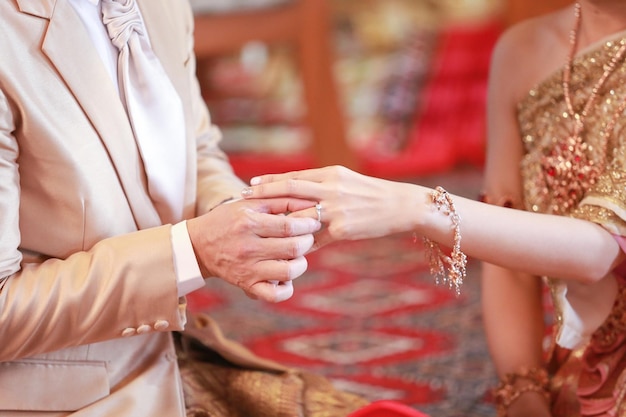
[{"x": 353, "y": 206}]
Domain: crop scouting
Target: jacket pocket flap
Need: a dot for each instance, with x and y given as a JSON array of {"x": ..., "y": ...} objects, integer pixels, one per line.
[{"x": 51, "y": 385}]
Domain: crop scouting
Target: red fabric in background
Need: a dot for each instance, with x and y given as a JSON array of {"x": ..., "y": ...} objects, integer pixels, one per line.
[
  {"x": 449, "y": 126},
  {"x": 386, "y": 409},
  {"x": 450, "y": 120}
]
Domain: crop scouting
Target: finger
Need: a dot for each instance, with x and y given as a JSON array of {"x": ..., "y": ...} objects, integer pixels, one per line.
[
  {"x": 287, "y": 249},
  {"x": 315, "y": 174},
  {"x": 312, "y": 213},
  {"x": 281, "y": 270},
  {"x": 271, "y": 225},
  {"x": 271, "y": 291},
  {"x": 297, "y": 188},
  {"x": 281, "y": 205},
  {"x": 297, "y": 204}
]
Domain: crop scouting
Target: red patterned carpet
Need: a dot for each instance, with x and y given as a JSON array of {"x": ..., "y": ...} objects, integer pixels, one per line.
[{"x": 368, "y": 315}]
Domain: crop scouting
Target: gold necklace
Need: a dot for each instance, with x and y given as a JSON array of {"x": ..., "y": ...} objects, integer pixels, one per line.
[{"x": 568, "y": 169}]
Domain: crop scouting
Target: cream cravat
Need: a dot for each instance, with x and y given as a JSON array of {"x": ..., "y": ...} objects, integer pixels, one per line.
[{"x": 153, "y": 107}]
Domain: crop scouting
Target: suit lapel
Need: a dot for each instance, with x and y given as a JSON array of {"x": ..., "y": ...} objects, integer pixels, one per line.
[{"x": 80, "y": 66}]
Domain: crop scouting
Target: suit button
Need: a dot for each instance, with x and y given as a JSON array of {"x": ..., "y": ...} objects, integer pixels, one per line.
[
  {"x": 144, "y": 328},
  {"x": 129, "y": 331},
  {"x": 161, "y": 325}
]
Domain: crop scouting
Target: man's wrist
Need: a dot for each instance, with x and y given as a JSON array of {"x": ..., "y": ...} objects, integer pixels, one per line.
[{"x": 188, "y": 274}]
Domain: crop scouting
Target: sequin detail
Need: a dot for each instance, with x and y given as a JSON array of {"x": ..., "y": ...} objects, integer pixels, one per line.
[{"x": 545, "y": 124}]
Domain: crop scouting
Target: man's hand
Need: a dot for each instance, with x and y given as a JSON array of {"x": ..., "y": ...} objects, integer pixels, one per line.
[{"x": 250, "y": 244}]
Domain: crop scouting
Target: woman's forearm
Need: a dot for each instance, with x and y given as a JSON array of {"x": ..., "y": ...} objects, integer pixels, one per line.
[
  {"x": 537, "y": 244},
  {"x": 514, "y": 326}
]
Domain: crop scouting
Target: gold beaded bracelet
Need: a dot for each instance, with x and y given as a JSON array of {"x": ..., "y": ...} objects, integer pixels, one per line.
[
  {"x": 506, "y": 393},
  {"x": 457, "y": 261}
]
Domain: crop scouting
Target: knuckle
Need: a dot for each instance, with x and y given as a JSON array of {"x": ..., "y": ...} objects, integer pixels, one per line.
[
  {"x": 284, "y": 272},
  {"x": 260, "y": 189},
  {"x": 339, "y": 171},
  {"x": 294, "y": 249},
  {"x": 301, "y": 245},
  {"x": 287, "y": 227},
  {"x": 240, "y": 280},
  {"x": 242, "y": 251},
  {"x": 338, "y": 231},
  {"x": 245, "y": 222}
]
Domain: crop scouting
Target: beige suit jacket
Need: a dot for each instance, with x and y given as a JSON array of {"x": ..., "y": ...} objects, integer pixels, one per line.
[{"x": 84, "y": 259}]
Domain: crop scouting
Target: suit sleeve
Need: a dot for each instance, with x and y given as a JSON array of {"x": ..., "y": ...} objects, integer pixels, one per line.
[{"x": 93, "y": 295}]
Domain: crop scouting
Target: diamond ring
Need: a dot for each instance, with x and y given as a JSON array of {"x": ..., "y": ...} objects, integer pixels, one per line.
[{"x": 318, "y": 209}]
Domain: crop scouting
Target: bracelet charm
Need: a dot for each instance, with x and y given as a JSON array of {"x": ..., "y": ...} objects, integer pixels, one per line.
[{"x": 456, "y": 263}]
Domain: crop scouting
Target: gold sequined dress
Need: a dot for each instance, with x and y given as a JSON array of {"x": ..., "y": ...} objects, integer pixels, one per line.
[{"x": 588, "y": 356}]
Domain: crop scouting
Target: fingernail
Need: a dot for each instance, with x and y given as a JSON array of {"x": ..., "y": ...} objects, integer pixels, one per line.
[
  {"x": 246, "y": 192},
  {"x": 255, "y": 181}
]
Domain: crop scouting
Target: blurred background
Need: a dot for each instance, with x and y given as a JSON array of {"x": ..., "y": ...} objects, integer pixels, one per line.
[{"x": 392, "y": 88}]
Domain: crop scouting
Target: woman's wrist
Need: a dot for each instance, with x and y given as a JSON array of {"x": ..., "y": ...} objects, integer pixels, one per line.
[
  {"x": 447, "y": 268},
  {"x": 418, "y": 209}
]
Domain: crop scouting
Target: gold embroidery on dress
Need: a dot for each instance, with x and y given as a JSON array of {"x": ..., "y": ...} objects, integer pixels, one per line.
[{"x": 544, "y": 123}]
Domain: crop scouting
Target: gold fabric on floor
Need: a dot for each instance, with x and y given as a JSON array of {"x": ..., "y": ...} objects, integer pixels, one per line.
[{"x": 222, "y": 378}]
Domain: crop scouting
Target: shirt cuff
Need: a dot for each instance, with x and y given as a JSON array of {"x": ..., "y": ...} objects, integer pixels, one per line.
[{"x": 188, "y": 275}]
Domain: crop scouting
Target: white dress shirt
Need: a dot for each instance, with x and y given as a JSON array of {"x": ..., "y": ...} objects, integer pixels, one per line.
[{"x": 186, "y": 266}]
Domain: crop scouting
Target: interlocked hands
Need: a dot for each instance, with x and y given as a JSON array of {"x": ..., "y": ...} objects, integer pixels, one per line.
[
  {"x": 251, "y": 245},
  {"x": 349, "y": 204}
]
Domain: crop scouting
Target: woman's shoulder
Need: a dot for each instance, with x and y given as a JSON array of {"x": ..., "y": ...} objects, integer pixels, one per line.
[{"x": 530, "y": 51}]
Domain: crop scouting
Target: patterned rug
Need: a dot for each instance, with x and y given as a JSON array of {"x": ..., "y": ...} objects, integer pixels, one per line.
[{"x": 368, "y": 315}]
